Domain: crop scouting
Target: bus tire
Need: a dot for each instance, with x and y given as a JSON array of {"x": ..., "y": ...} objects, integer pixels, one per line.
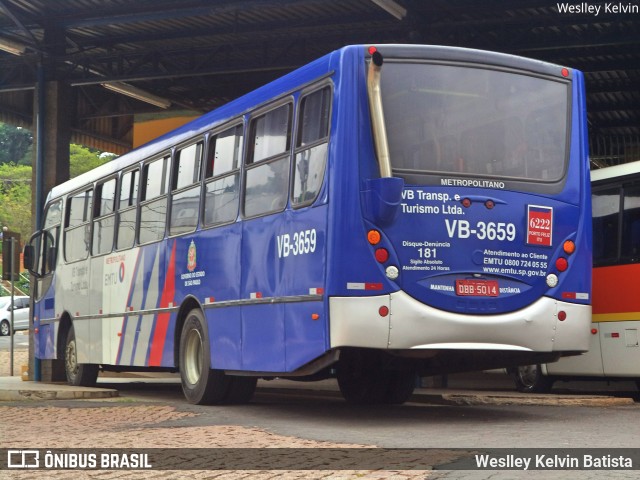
[
  {"x": 201, "y": 384},
  {"x": 78, "y": 374},
  {"x": 241, "y": 390},
  {"x": 400, "y": 386},
  {"x": 529, "y": 379},
  {"x": 363, "y": 380}
]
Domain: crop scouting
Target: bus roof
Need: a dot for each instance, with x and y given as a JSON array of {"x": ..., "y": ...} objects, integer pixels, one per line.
[{"x": 286, "y": 84}]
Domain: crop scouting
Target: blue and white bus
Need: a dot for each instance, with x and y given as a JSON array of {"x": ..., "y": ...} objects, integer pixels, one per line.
[{"x": 380, "y": 213}]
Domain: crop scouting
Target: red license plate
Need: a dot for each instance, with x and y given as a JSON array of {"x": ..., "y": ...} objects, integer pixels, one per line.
[{"x": 477, "y": 288}]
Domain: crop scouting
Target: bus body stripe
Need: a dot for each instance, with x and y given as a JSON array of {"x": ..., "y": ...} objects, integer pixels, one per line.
[{"x": 162, "y": 321}]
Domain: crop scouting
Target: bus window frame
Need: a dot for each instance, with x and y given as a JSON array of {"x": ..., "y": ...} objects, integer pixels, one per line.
[
  {"x": 297, "y": 149},
  {"x": 88, "y": 212},
  {"x": 95, "y": 217},
  {"x": 173, "y": 183},
  {"x": 119, "y": 209},
  {"x": 167, "y": 157},
  {"x": 237, "y": 170},
  {"x": 249, "y": 164}
]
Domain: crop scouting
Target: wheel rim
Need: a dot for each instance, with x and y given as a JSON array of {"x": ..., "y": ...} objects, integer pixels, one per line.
[
  {"x": 4, "y": 328},
  {"x": 528, "y": 375},
  {"x": 71, "y": 359},
  {"x": 193, "y": 356}
]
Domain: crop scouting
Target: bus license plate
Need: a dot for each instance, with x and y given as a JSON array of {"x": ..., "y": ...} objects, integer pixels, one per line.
[{"x": 477, "y": 288}]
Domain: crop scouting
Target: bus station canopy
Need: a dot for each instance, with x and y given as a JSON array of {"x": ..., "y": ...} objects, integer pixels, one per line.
[{"x": 127, "y": 61}]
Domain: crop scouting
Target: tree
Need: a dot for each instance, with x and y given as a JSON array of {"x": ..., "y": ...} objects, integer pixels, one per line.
[
  {"x": 15, "y": 186},
  {"x": 83, "y": 159},
  {"x": 15, "y": 144}
]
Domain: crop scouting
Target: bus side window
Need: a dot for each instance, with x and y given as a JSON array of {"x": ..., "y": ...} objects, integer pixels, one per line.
[
  {"x": 153, "y": 203},
  {"x": 267, "y": 174},
  {"x": 631, "y": 224},
  {"x": 185, "y": 199},
  {"x": 127, "y": 209},
  {"x": 223, "y": 178},
  {"x": 78, "y": 226},
  {"x": 104, "y": 217},
  {"x": 606, "y": 218},
  {"x": 311, "y": 146}
]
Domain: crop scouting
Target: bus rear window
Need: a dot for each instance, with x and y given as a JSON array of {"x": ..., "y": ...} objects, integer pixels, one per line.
[{"x": 460, "y": 120}]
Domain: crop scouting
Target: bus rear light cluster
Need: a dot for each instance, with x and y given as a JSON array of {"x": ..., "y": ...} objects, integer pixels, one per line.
[
  {"x": 562, "y": 263},
  {"x": 374, "y": 237}
]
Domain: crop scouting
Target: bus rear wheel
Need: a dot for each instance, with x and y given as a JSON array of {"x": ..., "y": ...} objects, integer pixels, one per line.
[
  {"x": 201, "y": 384},
  {"x": 363, "y": 379},
  {"x": 78, "y": 374},
  {"x": 529, "y": 379}
]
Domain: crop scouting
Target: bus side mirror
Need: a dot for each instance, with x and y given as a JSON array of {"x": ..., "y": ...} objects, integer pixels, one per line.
[{"x": 28, "y": 256}]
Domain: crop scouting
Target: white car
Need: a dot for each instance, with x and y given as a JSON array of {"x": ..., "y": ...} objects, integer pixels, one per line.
[{"x": 20, "y": 314}]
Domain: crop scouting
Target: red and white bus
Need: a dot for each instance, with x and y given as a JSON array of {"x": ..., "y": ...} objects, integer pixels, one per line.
[{"x": 614, "y": 351}]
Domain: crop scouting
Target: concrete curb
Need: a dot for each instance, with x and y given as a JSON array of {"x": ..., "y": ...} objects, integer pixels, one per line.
[{"x": 14, "y": 389}]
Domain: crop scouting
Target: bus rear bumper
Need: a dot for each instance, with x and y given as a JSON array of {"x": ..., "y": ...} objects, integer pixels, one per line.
[{"x": 410, "y": 325}]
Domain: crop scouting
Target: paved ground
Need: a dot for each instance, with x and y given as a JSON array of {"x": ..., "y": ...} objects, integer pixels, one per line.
[
  {"x": 135, "y": 423},
  {"x": 130, "y": 424}
]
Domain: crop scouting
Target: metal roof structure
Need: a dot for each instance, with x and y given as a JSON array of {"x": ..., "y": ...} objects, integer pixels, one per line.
[{"x": 197, "y": 54}]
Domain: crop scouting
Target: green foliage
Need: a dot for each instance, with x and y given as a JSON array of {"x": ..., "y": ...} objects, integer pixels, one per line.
[
  {"x": 15, "y": 207},
  {"x": 15, "y": 145},
  {"x": 15, "y": 179},
  {"x": 83, "y": 159}
]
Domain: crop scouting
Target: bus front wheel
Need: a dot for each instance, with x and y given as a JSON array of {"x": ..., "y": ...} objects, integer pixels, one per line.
[{"x": 78, "y": 374}]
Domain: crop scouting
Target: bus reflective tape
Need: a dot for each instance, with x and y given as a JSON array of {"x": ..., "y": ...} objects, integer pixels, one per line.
[
  {"x": 255, "y": 295},
  {"x": 363, "y": 286},
  {"x": 575, "y": 295},
  {"x": 209, "y": 300},
  {"x": 316, "y": 291}
]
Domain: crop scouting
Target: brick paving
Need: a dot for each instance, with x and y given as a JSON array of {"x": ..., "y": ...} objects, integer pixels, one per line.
[{"x": 134, "y": 424}]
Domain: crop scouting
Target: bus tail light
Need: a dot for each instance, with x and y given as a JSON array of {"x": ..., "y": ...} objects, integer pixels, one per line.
[
  {"x": 562, "y": 264},
  {"x": 374, "y": 237},
  {"x": 552, "y": 280},
  {"x": 382, "y": 255},
  {"x": 392, "y": 272},
  {"x": 569, "y": 247}
]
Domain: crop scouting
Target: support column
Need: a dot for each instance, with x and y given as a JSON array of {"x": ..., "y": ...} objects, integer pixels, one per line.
[{"x": 52, "y": 135}]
